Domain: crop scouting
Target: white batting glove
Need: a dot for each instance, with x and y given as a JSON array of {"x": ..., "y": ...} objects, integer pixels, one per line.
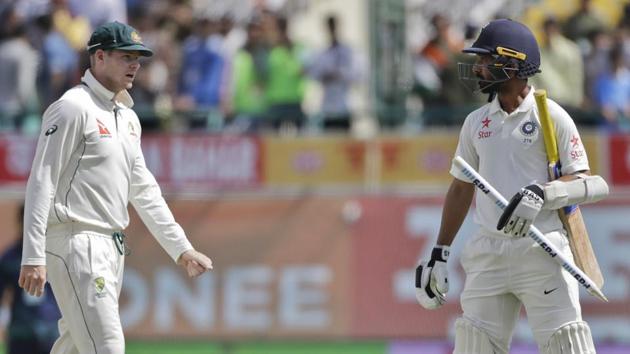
[
  {"x": 432, "y": 279},
  {"x": 523, "y": 208}
]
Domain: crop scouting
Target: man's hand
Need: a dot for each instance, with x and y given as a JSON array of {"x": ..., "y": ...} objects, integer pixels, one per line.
[
  {"x": 196, "y": 263},
  {"x": 523, "y": 208},
  {"x": 32, "y": 279},
  {"x": 432, "y": 279}
]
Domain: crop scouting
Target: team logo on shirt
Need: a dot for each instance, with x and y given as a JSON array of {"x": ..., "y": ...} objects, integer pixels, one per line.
[
  {"x": 51, "y": 130},
  {"x": 528, "y": 132},
  {"x": 99, "y": 284},
  {"x": 529, "y": 128},
  {"x": 102, "y": 129}
]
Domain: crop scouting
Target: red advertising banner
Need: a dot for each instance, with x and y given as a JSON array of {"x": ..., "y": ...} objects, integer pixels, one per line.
[
  {"x": 203, "y": 161},
  {"x": 179, "y": 162},
  {"x": 619, "y": 150},
  {"x": 16, "y": 157}
]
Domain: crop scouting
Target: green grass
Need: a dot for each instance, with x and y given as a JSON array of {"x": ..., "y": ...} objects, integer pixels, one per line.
[
  {"x": 287, "y": 347},
  {"x": 135, "y": 347}
]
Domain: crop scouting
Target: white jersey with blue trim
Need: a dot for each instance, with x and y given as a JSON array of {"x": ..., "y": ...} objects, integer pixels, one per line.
[
  {"x": 508, "y": 150},
  {"x": 88, "y": 166}
]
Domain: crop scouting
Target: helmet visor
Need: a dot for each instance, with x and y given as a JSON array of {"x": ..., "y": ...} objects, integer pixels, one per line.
[{"x": 471, "y": 75}]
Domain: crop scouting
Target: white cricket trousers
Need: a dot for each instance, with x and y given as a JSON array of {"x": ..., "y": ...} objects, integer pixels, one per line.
[
  {"x": 85, "y": 270},
  {"x": 503, "y": 273}
]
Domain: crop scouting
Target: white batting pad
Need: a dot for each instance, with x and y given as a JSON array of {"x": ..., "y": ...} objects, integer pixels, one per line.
[
  {"x": 470, "y": 339},
  {"x": 574, "y": 338}
]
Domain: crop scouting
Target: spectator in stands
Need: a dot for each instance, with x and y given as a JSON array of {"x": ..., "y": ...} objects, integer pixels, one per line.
[
  {"x": 437, "y": 56},
  {"x": 75, "y": 28},
  {"x": 18, "y": 70},
  {"x": 446, "y": 101},
  {"x": 583, "y": 22},
  {"x": 562, "y": 66},
  {"x": 33, "y": 325},
  {"x": 285, "y": 84},
  {"x": 596, "y": 62},
  {"x": 99, "y": 12},
  {"x": 201, "y": 77},
  {"x": 336, "y": 69},
  {"x": 60, "y": 63},
  {"x": 150, "y": 91},
  {"x": 612, "y": 92},
  {"x": 249, "y": 73}
]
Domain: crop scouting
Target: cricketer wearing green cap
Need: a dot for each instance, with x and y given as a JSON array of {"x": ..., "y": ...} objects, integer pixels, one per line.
[
  {"x": 116, "y": 35},
  {"x": 88, "y": 167}
]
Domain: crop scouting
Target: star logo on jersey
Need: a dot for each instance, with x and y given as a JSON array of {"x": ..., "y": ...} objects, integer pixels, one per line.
[
  {"x": 99, "y": 284},
  {"x": 102, "y": 129},
  {"x": 486, "y": 123},
  {"x": 575, "y": 141}
]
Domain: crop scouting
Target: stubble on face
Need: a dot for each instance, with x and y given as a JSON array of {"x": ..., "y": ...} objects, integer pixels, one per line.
[{"x": 121, "y": 68}]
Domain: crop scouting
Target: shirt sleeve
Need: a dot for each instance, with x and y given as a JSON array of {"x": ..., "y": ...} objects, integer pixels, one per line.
[
  {"x": 466, "y": 150},
  {"x": 62, "y": 130},
  {"x": 146, "y": 197},
  {"x": 571, "y": 150}
]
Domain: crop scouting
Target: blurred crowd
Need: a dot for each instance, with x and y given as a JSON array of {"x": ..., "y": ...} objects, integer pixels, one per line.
[
  {"x": 222, "y": 71},
  {"x": 211, "y": 71},
  {"x": 585, "y": 66}
]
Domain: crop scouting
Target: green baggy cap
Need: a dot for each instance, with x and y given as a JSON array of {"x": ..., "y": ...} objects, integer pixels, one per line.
[{"x": 116, "y": 35}]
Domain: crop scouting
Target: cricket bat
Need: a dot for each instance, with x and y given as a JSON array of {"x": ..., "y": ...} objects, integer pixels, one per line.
[{"x": 571, "y": 216}]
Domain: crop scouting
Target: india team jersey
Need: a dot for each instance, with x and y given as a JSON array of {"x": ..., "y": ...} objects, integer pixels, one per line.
[{"x": 508, "y": 150}]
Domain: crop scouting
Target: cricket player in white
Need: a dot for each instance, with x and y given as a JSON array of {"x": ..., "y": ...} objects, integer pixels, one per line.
[
  {"x": 504, "y": 269},
  {"x": 88, "y": 167}
]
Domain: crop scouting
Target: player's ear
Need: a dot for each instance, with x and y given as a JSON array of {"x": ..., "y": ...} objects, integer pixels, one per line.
[{"x": 99, "y": 55}]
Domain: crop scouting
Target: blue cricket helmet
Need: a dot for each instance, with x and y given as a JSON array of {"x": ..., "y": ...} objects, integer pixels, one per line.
[{"x": 511, "y": 40}]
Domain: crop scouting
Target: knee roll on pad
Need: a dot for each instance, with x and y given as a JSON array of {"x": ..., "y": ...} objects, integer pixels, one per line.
[
  {"x": 470, "y": 339},
  {"x": 574, "y": 338}
]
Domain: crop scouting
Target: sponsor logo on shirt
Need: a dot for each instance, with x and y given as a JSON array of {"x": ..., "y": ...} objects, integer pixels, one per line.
[
  {"x": 102, "y": 129},
  {"x": 485, "y": 133},
  {"x": 577, "y": 151},
  {"x": 51, "y": 130},
  {"x": 132, "y": 130},
  {"x": 575, "y": 141},
  {"x": 577, "y": 154}
]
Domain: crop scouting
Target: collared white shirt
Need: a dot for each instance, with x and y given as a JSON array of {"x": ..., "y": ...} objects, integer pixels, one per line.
[
  {"x": 508, "y": 150},
  {"x": 88, "y": 167}
]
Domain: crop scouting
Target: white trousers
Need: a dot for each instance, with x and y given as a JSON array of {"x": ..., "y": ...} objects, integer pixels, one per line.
[
  {"x": 85, "y": 269},
  {"x": 503, "y": 273}
]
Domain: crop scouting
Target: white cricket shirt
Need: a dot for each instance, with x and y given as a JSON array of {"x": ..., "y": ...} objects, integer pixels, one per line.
[
  {"x": 508, "y": 150},
  {"x": 88, "y": 167}
]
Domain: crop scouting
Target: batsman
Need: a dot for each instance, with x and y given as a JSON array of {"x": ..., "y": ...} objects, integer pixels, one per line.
[{"x": 505, "y": 141}]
